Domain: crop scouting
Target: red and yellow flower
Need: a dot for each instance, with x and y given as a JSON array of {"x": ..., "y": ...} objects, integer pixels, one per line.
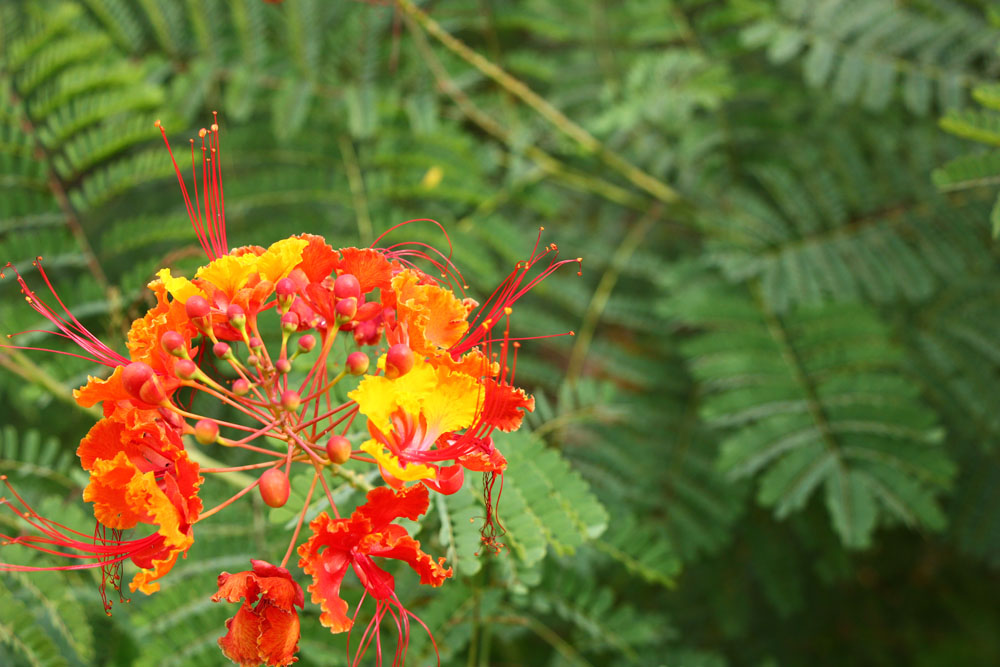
[{"x": 442, "y": 384}]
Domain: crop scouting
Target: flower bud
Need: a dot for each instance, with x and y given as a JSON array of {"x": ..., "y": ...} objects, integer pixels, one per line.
[
  {"x": 256, "y": 343},
  {"x": 347, "y": 286},
  {"x": 283, "y": 366},
  {"x": 367, "y": 311},
  {"x": 152, "y": 391},
  {"x": 357, "y": 363},
  {"x": 185, "y": 369},
  {"x": 338, "y": 449},
  {"x": 274, "y": 487},
  {"x": 290, "y": 400},
  {"x": 398, "y": 361},
  {"x": 134, "y": 376},
  {"x": 222, "y": 350},
  {"x": 346, "y": 309},
  {"x": 236, "y": 316},
  {"x": 307, "y": 343},
  {"x": 253, "y": 360},
  {"x": 173, "y": 343},
  {"x": 289, "y": 322},
  {"x": 196, "y": 306},
  {"x": 206, "y": 431},
  {"x": 241, "y": 387},
  {"x": 285, "y": 287}
]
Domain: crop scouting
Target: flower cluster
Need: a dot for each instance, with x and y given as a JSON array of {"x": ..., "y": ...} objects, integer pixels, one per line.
[{"x": 434, "y": 378}]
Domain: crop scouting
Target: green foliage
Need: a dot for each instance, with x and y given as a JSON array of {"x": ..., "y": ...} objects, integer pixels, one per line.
[{"x": 776, "y": 425}]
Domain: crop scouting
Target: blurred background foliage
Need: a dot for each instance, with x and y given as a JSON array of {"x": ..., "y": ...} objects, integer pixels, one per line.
[{"x": 773, "y": 439}]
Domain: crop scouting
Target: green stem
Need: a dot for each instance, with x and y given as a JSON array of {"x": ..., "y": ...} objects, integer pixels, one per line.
[
  {"x": 18, "y": 362},
  {"x": 560, "y": 121}
]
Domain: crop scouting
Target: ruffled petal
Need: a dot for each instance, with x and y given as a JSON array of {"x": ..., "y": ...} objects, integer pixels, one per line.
[
  {"x": 325, "y": 557},
  {"x": 505, "y": 406},
  {"x": 240, "y": 643},
  {"x": 383, "y": 506},
  {"x": 369, "y": 266},
  {"x": 99, "y": 390},
  {"x": 279, "y": 635},
  {"x": 407, "y": 549},
  {"x": 378, "y": 397},
  {"x": 318, "y": 258},
  {"x": 433, "y": 317},
  {"x": 181, "y": 289},
  {"x": 280, "y": 258},
  {"x": 234, "y": 587}
]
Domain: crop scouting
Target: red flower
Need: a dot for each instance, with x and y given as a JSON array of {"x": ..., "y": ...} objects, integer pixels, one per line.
[
  {"x": 266, "y": 627},
  {"x": 337, "y": 545}
]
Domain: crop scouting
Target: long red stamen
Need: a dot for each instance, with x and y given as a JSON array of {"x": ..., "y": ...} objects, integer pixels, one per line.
[
  {"x": 68, "y": 326},
  {"x": 211, "y": 231}
]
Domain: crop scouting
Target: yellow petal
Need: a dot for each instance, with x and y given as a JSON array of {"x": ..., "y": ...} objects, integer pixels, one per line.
[
  {"x": 378, "y": 397},
  {"x": 181, "y": 289},
  {"x": 229, "y": 273},
  {"x": 453, "y": 403},
  {"x": 279, "y": 260}
]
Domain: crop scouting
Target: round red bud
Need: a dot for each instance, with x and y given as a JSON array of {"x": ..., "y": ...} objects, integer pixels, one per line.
[
  {"x": 283, "y": 366},
  {"x": 398, "y": 361},
  {"x": 236, "y": 316},
  {"x": 289, "y": 322},
  {"x": 274, "y": 487},
  {"x": 285, "y": 287},
  {"x": 196, "y": 306},
  {"x": 347, "y": 286},
  {"x": 255, "y": 343},
  {"x": 173, "y": 343},
  {"x": 152, "y": 391},
  {"x": 307, "y": 343},
  {"x": 134, "y": 376},
  {"x": 253, "y": 360},
  {"x": 222, "y": 350},
  {"x": 185, "y": 369},
  {"x": 338, "y": 449},
  {"x": 290, "y": 400},
  {"x": 346, "y": 309},
  {"x": 357, "y": 363},
  {"x": 241, "y": 387},
  {"x": 206, "y": 431}
]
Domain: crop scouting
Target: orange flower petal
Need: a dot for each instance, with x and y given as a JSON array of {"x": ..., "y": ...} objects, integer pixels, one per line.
[
  {"x": 407, "y": 549},
  {"x": 279, "y": 635},
  {"x": 145, "y": 580},
  {"x": 383, "y": 506},
  {"x": 370, "y": 267},
  {"x": 318, "y": 258},
  {"x": 240, "y": 643},
  {"x": 433, "y": 317},
  {"x": 325, "y": 557},
  {"x": 504, "y": 404},
  {"x": 145, "y": 333},
  {"x": 98, "y": 390},
  {"x": 482, "y": 462}
]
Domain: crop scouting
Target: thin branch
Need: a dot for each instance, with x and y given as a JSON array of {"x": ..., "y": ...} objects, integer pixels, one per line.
[{"x": 560, "y": 121}]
